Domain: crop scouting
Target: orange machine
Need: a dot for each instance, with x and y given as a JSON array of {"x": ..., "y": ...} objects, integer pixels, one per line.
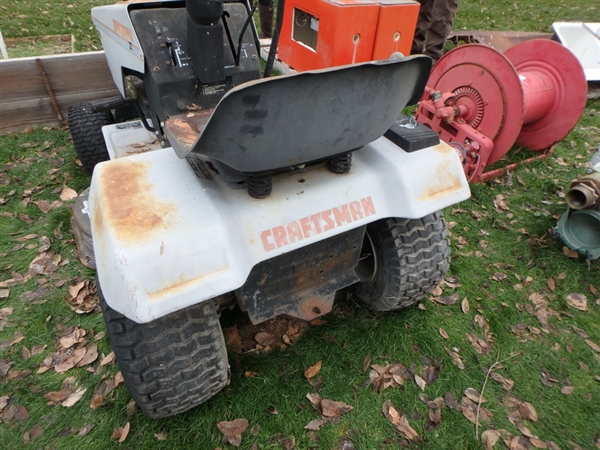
[{"x": 325, "y": 33}]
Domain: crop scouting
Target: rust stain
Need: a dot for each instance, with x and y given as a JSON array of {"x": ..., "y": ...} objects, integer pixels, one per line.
[
  {"x": 186, "y": 128},
  {"x": 311, "y": 308},
  {"x": 127, "y": 205},
  {"x": 182, "y": 285},
  {"x": 445, "y": 182}
]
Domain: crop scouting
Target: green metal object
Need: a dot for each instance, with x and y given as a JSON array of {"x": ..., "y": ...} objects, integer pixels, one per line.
[
  {"x": 579, "y": 226},
  {"x": 580, "y": 231}
]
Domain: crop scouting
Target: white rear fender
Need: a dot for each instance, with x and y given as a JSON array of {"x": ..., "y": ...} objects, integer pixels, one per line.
[{"x": 165, "y": 239}]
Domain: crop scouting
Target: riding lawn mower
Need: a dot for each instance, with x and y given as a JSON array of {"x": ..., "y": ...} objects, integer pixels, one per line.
[{"x": 213, "y": 186}]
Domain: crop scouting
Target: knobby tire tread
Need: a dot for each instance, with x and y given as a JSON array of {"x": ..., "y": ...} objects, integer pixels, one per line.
[
  {"x": 86, "y": 132},
  {"x": 413, "y": 255},
  {"x": 173, "y": 363}
]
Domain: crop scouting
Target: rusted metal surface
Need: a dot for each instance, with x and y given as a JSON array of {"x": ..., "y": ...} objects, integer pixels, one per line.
[
  {"x": 186, "y": 127},
  {"x": 302, "y": 283},
  {"x": 128, "y": 207},
  {"x": 501, "y": 171},
  {"x": 46, "y": 80},
  {"x": 499, "y": 40},
  {"x": 446, "y": 180}
]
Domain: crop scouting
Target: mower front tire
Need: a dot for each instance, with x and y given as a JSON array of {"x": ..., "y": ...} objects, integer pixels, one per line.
[
  {"x": 86, "y": 132},
  {"x": 173, "y": 363},
  {"x": 402, "y": 260}
]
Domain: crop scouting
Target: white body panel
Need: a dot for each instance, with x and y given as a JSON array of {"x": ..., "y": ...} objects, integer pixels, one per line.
[
  {"x": 121, "y": 44},
  {"x": 165, "y": 239},
  {"x": 583, "y": 39}
]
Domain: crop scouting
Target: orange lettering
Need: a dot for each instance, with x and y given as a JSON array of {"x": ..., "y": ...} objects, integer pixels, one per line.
[
  {"x": 356, "y": 211},
  {"x": 280, "y": 236},
  {"x": 264, "y": 237},
  {"x": 294, "y": 232},
  {"x": 329, "y": 224},
  {"x": 368, "y": 207},
  {"x": 342, "y": 215}
]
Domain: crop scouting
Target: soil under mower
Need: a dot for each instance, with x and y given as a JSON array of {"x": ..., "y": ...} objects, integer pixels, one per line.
[{"x": 212, "y": 187}]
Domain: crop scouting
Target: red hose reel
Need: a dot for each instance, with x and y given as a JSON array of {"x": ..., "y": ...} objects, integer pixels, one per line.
[{"x": 482, "y": 102}]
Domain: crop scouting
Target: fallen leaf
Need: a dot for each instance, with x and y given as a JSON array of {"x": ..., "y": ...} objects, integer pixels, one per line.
[
  {"x": 456, "y": 360},
  {"x": 593, "y": 345},
  {"x": 264, "y": 338},
  {"x": 67, "y": 194},
  {"x": 420, "y": 382},
  {"x": 443, "y": 333},
  {"x": 121, "y": 433},
  {"x": 403, "y": 426},
  {"x": 34, "y": 432},
  {"x": 366, "y": 363},
  {"x": 74, "y": 398},
  {"x": 313, "y": 370},
  {"x": 578, "y": 301},
  {"x": 331, "y": 408},
  {"x": 528, "y": 412},
  {"x": 232, "y": 430},
  {"x": 570, "y": 253},
  {"x": 489, "y": 438},
  {"x": 506, "y": 383},
  {"x": 161, "y": 436},
  {"x": 474, "y": 395},
  {"x": 566, "y": 390},
  {"x": 316, "y": 424},
  {"x": 465, "y": 305}
]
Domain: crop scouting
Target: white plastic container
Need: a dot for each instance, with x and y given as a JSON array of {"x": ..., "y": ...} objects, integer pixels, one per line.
[{"x": 583, "y": 39}]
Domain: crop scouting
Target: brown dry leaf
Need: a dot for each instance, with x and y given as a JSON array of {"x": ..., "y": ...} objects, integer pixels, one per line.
[
  {"x": 490, "y": 438},
  {"x": 232, "y": 431},
  {"x": 313, "y": 370},
  {"x": 334, "y": 409},
  {"x": 121, "y": 433},
  {"x": 578, "y": 301},
  {"x": 528, "y": 412},
  {"x": 551, "y": 284},
  {"x": 593, "y": 345},
  {"x": 420, "y": 382},
  {"x": 456, "y": 360},
  {"x": 570, "y": 253},
  {"x": 67, "y": 194},
  {"x": 107, "y": 359},
  {"x": 506, "y": 383},
  {"x": 566, "y": 390},
  {"x": 74, "y": 397},
  {"x": 91, "y": 355},
  {"x": 34, "y": 432},
  {"x": 161, "y": 436},
  {"x": 537, "y": 443},
  {"x": 474, "y": 395},
  {"x": 233, "y": 339},
  {"x": 4, "y": 293},
  {"x": 97, "y": 402},
  {"x": 403, "y": 426},
  {"x": 264, "y": 338},
  {"x": 366, "y": 363},
  {"x": 316, "y": 424},
  {"x": 443, "y": 333},
  {"x": 445, "y": 300},
  {"x": 464, "y": 306}
]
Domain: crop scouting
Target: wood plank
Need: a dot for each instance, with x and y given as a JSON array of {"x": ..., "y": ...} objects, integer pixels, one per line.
[{"x": 74, "y": 77}]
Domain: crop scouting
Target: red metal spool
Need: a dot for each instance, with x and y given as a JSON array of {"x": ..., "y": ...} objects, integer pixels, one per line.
[{"x": 484, "y": 101}]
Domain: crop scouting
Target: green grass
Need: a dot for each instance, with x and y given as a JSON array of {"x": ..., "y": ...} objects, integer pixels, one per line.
[{"x": 518, "y": 244}]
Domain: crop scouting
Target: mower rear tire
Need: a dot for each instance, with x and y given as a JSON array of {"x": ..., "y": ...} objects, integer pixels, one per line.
[
  {"x": 86, "y": 132},
  {"x": 402, "y": 260},
  {"x": 172, "y": 364}
]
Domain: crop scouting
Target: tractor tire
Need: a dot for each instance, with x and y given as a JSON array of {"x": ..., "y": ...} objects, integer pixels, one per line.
[
  {"x": 173, "y": 363},
  {"x": 86, "y": 132},
  {"x": 402, "y": 260}
]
